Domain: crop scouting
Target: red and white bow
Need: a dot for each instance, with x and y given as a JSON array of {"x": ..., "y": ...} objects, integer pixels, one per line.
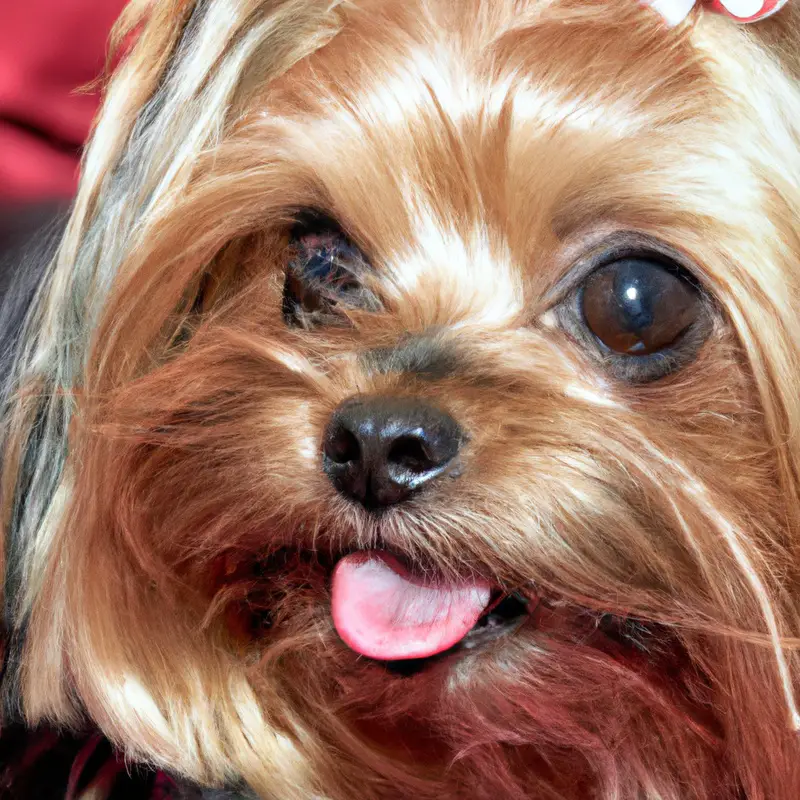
[{"x": 675, "y": 11}]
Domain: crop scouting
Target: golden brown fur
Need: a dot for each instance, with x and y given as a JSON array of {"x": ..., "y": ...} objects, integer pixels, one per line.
[{"x": 478, "y": 150}]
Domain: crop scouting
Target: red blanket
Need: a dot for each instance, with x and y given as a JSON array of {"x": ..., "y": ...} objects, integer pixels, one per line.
[{"x": 48, "y": 48}]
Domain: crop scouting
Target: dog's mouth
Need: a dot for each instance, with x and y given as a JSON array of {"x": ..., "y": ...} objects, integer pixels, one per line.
[
  {"x": 406, "y": 617},
  {"x": 383, "y": 611}
]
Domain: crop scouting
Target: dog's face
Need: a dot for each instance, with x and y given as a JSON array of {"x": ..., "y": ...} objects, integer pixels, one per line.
[{"x": 478, "y": 370}]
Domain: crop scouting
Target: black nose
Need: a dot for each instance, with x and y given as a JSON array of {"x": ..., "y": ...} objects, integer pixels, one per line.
[{"x": 379, "y": 450}]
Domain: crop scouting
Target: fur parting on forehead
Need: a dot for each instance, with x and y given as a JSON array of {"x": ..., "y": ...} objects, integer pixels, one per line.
[
  {"x": 440, "y": 74},
  {"x": 532, "y": 104}
]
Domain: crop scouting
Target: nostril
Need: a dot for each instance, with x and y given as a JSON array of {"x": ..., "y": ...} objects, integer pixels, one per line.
[
  {"x": 408, "y": 452},
  {"x": 378, "y": 451},
  {"x": 343, "y": 447}
]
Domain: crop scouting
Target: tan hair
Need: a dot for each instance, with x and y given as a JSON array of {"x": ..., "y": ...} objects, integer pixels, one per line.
[{"x": 166, "y": 427}]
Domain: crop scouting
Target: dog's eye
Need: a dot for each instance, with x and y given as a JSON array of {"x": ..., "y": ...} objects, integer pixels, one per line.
[
  {"x": 638, "y": 307},
  {"x": 326, "y": 274},
  {"x": 641, "y": 315}
]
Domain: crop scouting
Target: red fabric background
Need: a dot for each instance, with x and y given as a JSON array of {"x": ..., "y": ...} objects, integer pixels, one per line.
[{"x": 48, "y": 48}]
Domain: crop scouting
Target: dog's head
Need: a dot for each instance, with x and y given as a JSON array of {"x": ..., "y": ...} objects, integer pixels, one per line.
[{"x": 459, "y": 336}]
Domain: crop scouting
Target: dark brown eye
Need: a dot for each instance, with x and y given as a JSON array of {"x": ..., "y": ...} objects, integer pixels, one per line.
[
  {"x": 638, "y": 307},
  {"x": 325, "y": 274}
]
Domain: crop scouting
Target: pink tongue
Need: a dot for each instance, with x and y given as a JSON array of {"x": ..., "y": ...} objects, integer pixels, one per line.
[{"x": 383, "y": 612}]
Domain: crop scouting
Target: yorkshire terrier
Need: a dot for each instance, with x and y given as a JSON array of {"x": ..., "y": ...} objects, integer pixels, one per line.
[{"x": 412, "y": 408}]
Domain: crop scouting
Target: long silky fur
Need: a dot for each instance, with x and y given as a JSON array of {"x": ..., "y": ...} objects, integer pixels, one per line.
[{"x": 161, "y": 443}]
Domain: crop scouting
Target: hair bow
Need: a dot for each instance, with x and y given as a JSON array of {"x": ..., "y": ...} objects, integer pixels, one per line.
[{"x": 675, "y": 11}]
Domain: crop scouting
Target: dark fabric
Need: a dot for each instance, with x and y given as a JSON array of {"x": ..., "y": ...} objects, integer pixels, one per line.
[
  {"x": 44, "y": 765},
  {"x": 38, "y": 764}
]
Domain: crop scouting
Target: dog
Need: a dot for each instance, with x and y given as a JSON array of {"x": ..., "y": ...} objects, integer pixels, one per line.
[{"x": 411, "y": 408}]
